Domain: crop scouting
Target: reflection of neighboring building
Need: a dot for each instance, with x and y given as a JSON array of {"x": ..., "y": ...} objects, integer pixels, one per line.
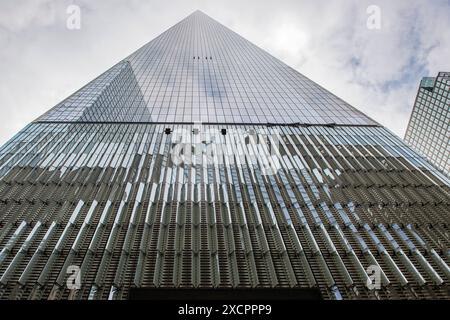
[
  {"x": 114, "y": 96},
  {"x": 428, "y": 130}
]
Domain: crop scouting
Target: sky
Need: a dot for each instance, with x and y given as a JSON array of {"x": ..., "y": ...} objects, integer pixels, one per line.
[{"x": 371, "y": 53}]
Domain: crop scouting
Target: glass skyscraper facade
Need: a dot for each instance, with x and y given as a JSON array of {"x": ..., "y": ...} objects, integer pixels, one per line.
[
  {"x": 201, "y": 161},
  {"x": 428, "y": 130}
]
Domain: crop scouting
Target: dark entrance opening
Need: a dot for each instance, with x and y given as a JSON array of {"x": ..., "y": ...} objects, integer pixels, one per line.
[{"x": 260, "y": 294}]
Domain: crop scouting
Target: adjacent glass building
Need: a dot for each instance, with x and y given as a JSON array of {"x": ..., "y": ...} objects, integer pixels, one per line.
[
  {"x": 202, "y": 162},
  {"x": 428, "y": 130}
]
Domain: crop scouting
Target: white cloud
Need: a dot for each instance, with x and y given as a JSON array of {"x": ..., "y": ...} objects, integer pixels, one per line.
[{"x": 377, "y": 71}]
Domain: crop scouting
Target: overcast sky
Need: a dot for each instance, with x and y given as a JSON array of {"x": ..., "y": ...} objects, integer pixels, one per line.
[{"x": 375, "y": 70}]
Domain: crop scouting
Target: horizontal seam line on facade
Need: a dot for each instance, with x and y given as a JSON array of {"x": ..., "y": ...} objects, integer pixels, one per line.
[{"x": 219, "y": 123}]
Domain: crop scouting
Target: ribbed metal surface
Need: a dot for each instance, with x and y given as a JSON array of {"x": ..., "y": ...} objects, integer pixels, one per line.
[{"x": 109, "y": 199}]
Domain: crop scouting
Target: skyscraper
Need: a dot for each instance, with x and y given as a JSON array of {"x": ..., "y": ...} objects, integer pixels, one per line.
[
  {"x": 200, "y": 161},
  {"x": 428, "y": 130}
]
